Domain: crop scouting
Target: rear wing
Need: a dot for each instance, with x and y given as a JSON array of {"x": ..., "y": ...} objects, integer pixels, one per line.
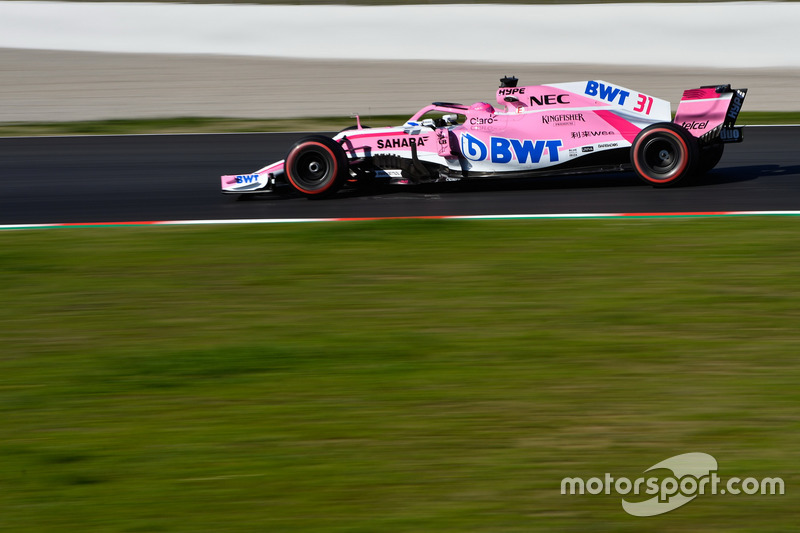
[{"x": 710, "y": 112}]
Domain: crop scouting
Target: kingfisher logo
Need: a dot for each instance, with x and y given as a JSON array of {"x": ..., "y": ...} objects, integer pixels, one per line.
[{"x": 502, "y": 150}]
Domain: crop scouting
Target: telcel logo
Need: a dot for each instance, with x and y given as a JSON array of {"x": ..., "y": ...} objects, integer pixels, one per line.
[{"x": 695, "y": 125}]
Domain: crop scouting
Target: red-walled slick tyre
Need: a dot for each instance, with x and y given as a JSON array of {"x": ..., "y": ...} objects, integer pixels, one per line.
[
  {"x": 664, "y": 155},
  {"x": 316, "y": 166}
]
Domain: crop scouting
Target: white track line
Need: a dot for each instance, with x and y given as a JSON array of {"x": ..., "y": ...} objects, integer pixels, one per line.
[{"x": 369, "y": 219}]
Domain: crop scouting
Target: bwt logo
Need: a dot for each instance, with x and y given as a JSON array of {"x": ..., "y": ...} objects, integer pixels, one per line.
[
  {"x": 502, "y": 150},
  {"x": 248, "y": 178},
  {"x": 472, "y": 148},
  {"x": 606, "y": 92}
]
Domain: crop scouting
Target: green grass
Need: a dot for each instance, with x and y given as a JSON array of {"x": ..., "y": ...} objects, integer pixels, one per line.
[
  {"x": 183, "y": 125},
  {"x": 189, "y": 125},
  {"x": 233, "y": 125},
  {"x": 396, "y": 376},
  {"x": 768, "y": 117}
]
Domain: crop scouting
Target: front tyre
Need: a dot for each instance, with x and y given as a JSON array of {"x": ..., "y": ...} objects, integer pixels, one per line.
[
  {"x": 316, "y": 166},
  {"x": 664, "y": 155}
]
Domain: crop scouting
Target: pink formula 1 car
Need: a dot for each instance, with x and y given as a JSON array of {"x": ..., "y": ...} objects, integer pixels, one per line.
[{"x": 565, "y": 128}]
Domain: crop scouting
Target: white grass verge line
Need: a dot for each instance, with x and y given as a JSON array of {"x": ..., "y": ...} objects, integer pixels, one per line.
[
  {"x": 543, "y": 215},
  {"x": 240, "y": 221},
  {"x": 29, "y": 226},
  {"x": 711, "y": 34},
  {"x": 246, "y": 221}
]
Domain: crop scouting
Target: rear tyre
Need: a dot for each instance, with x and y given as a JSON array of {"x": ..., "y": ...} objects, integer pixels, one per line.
[
  {"x": 709, "y": 157},
  {"x": 316, "y": 166},
  {"x": 664, "y": 155}
]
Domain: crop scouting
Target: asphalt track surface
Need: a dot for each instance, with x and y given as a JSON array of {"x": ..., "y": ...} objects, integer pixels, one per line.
[{"x": 176, "y": 177}]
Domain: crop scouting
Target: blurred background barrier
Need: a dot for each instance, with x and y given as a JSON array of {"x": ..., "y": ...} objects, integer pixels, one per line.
[{"x": 77, "y": 61}]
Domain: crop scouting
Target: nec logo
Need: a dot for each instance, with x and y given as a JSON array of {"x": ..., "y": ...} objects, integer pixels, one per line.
[{"x": 549, "y": 99}]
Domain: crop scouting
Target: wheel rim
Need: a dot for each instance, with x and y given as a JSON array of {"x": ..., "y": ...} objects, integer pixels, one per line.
[
  {"x": 312, "y": 168},
  {"x": 662, "y": 156}
]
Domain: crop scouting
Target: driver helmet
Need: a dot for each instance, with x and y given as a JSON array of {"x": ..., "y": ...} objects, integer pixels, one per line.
[{"x": 482, "y": 107}]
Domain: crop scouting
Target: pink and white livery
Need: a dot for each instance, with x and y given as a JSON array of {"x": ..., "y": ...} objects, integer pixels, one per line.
[{"x": 564, "y": 128}]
